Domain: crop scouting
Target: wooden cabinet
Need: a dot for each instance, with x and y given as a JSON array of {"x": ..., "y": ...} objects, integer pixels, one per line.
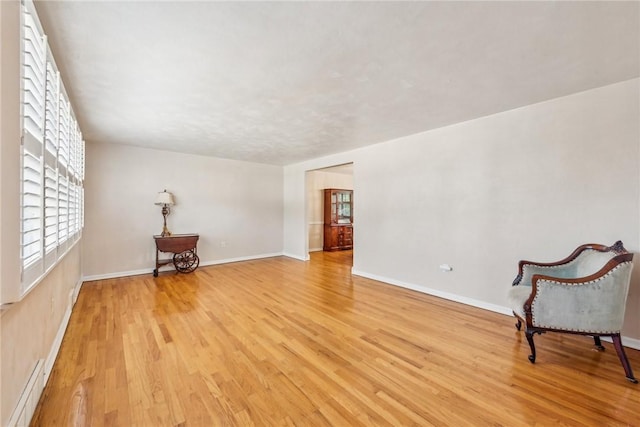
[{"x": 338, "y": 219}]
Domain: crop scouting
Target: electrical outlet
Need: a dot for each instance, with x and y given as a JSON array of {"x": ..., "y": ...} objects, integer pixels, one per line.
[{"x": 223, "y": 244}]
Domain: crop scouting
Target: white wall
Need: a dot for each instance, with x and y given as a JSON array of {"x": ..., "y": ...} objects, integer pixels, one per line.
[
  {"x": 239, "y": 203},
  {"x": 533, "y": 182},
  {"x": 10, "y": 129},
  {"x": 316, "y": 182}
]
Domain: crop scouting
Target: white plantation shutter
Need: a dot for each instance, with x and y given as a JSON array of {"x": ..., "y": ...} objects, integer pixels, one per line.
[
  {"x": 73, "y": 137},
  {"x": 75, "y": 156},
  {"x": 64, "y": 135},
  {"x": 33, "y": 111},
  {"x": 63, "y": 209},
  {"x": 52, "y": 194},
  {"x": 52, "y": 97},
  {"x": 81, "y": 208},
  {"x": 31, "y": 208},
  {"x": 33, "y": 77},
  {"x": 72, "y": 208},
  {"x": 78, "y": 208},
  {"x": 50, "y": 209},
  {"x": 82, "y": 161},
  {"x": 79, "y": 156}
]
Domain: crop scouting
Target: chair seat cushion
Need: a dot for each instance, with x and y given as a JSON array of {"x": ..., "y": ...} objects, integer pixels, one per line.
[{"x": 516, "y": 297}]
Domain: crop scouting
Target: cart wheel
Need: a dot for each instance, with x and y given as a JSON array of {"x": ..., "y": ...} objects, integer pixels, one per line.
[
  {"x": 155, "y": 272},
  {"x": 186, "y": 262}
]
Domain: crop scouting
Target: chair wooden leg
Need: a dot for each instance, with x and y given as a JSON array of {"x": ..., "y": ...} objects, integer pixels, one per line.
[
  {"x": 617, "y": 343},
  {"x": 532, "y": 356},
  {"x": 599, "y": 346},
  {"x": 519, "y": 324}
]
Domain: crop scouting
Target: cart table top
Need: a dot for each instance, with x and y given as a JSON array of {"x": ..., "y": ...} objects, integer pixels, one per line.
[{"x": 176, "y": 243}]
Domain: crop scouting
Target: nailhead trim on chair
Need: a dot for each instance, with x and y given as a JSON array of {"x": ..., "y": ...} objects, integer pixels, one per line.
[{"x": 533, "y": 303}]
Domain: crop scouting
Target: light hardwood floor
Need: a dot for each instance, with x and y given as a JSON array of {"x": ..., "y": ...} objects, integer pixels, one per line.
[{"x": 284, "y": 342}]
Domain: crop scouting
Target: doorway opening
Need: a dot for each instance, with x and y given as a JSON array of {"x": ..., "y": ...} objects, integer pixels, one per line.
[{"x": 317, "y": 180}]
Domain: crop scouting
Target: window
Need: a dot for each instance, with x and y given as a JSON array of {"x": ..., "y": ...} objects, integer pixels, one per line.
[{"x": 52, "y": 159}]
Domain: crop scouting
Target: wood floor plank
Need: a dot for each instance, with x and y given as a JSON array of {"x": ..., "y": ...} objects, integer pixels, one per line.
[{"x": 280, "y": 342}]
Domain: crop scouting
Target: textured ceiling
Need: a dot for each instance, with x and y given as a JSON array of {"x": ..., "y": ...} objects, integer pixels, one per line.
[{"x": 282, "y": 82}]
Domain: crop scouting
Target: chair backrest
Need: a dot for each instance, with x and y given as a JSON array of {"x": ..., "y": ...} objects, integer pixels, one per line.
[
  {"x": 588, "y": 262},
  {"x": 584, "y": 261}
]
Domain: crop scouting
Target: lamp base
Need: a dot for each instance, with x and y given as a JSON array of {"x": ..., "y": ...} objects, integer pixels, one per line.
[{"x": 165, "y": 230}]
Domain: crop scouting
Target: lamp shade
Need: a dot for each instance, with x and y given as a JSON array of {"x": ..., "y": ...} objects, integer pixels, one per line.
[{"x": 164, "y": 198}]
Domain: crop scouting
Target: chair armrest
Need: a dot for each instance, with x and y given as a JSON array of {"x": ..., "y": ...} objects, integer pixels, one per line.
[
  {"x": 594, "y": 303},
  {"x": 527, "y": 269}
]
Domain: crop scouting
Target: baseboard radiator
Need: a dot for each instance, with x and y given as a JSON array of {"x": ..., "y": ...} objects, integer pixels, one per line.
[{"x": 23, "y": 413}]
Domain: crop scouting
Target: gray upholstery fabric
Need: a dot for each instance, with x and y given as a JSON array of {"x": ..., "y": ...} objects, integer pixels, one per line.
[
  {"x": 517, "y": 296},
  {"x": 596, "y": 306}
]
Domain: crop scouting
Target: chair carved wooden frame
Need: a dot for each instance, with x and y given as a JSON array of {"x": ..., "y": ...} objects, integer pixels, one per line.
[{"x": 585, "y": 293}]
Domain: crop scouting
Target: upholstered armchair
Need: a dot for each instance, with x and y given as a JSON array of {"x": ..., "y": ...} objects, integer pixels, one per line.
[{"x": 585, "y": 293}]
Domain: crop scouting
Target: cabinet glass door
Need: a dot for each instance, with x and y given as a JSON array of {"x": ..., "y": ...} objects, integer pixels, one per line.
[{"x": 344, "y": 208}]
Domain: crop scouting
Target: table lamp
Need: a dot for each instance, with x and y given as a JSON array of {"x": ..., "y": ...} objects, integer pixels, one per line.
[{"x": 165, "y": 199}]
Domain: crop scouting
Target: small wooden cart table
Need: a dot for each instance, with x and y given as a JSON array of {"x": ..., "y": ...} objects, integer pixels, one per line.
[{"x": 184, "y": 248}]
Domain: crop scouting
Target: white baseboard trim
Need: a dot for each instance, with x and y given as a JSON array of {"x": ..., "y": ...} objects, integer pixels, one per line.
[
  {"x": 315, "y": 249},
  {"x": 24, "y": 410},
  {"x": 288, "y": 255},
  {"x": 76, "y": 292},
  {"x": 239, "y": 259},
  {"x": 437, "y": 293},
  {"x": 57, "y": 342},
  {"x": 202, "y": 264},
  {"x": 626, "y": 341},
  {"x": 117, "y": 274}
]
